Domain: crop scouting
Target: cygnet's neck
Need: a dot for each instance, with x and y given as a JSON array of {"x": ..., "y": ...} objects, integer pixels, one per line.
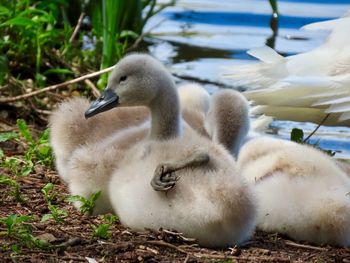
[
  {"x": 232, "y": 136},
  {"x": 228, "y": 121},
  {"x": 165, "y": 113}
]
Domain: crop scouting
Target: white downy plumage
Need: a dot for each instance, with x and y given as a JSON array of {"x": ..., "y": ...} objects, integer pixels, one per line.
[
  {"x": 301, "y": 191},
  {"x": 131, "y": 156}
]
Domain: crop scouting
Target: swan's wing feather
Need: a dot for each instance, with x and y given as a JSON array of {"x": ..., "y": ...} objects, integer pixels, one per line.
[
  {"x": 345, "y": 116},
  {"x": 328, "y": 101},
  {"x": 300, "y": 114},
  {"x": 309, "y": 81},
  {"x": 288, "y": 96},
  {"x": 339, "y": 107},
  {"x": 266, "y": 54},
  {"x": 261, "y": 123},
  {"x": 296, "y": 87}
]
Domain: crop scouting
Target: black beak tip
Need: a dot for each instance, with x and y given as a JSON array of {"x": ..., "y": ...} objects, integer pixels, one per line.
[
  {"x": 108, "y": 100},
  {"x": 88, "y": 114}
]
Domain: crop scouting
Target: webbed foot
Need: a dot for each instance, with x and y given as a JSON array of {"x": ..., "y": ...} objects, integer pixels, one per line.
[{"x": 164, "y": 177}]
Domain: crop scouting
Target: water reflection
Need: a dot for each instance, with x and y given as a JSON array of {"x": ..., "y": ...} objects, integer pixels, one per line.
[
  {"x": 239, "y": 18},
  {"x": 271, "y": 41}
]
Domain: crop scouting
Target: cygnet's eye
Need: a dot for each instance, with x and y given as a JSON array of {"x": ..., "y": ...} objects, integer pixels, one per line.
[{"x": 122, "y": 78}]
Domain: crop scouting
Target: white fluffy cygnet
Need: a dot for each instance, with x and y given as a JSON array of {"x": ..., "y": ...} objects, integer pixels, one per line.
[
  {"x": 301, "y": 191},
  {"x": 200, "y": 191}
]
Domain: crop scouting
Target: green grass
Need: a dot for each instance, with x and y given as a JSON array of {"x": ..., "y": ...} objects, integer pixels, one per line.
[
  {"x": 35, "y": 39},
  {"x": 30, "y": 30},
  {"x": 122, "y": 21}
]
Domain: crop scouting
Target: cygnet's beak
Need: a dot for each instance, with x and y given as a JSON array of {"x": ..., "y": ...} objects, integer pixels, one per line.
[{"x": 108, "y": 100}]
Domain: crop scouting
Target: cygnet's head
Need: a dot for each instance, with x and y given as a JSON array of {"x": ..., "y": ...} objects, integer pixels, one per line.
[{"x": 136, "y": 80}]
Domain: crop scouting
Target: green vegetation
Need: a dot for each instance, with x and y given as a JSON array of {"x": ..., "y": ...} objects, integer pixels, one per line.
[
  {"x": 49, "y": 195},
  {"x": 87, "y": 204},
  {"x": 14, "y": 186},
  {"x": 16, "y": 228},
  {"x": 102, "y": 230},
  {"x": 121, "y": 22},
  {"x": 38, "y": 150},
  {"x": 55, "y": 213},
  {"x": 28, "y": 27},
  {"x": 109, "y": 218},
  {"x": 297, "y": 135},
  {"x": 47, "y": 42}
]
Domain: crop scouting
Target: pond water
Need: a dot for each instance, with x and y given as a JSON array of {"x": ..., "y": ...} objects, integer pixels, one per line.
[{"x": 200, "y": 40}]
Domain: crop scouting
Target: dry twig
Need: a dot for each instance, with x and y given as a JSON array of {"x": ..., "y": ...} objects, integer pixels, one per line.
[
  {"x": 56, "y": 86},
  {"x": 180, "y": 235},
  {"x": 77, "y": 27},
  {"x": 293, "y": 244},
  {"x": 165, "y": 244},
  {"x": 75, "y": 31},
  {"x": 318, "y": 126},
  {"x": 95, "y": 91},
  {"x": 70, "y": 243}
]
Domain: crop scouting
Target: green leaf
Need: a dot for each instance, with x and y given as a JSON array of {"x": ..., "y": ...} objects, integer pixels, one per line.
[
  {"x": 19, "y": 21},
  {"x": 87, "y": 205},
  {"x": 44, "y": 137},
  {"x": 128, "y": 33},
  {"x": 46, "y": 217},
  {"x": 95, "y": 196},
  {"x": 15, "y": 249},
  {"x": 14, "y": 219},
  {"x": 40, "y": 79},
  {"x": 4, "y": 11},
  {"x": 297, "y": 135},
  {"x": 25, "y": 132},
  {"x": 5, "y": 136},
  {"x": 101, "y": 231},
  {"x": 47, "y": 188},
  {"x": 58, "y": 71},
  {"x": 75, "y": 198},
  {"x": 27, "y": 169},
  {"x": 8, "y": 181},
  {"x": 44, "y": 151},
  {"x": 46, "y": 191},
  {"x": 110, "y": 218}
]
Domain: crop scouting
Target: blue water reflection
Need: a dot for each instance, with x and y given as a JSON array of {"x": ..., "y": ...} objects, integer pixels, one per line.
[{"x": 239, "y": 19}]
